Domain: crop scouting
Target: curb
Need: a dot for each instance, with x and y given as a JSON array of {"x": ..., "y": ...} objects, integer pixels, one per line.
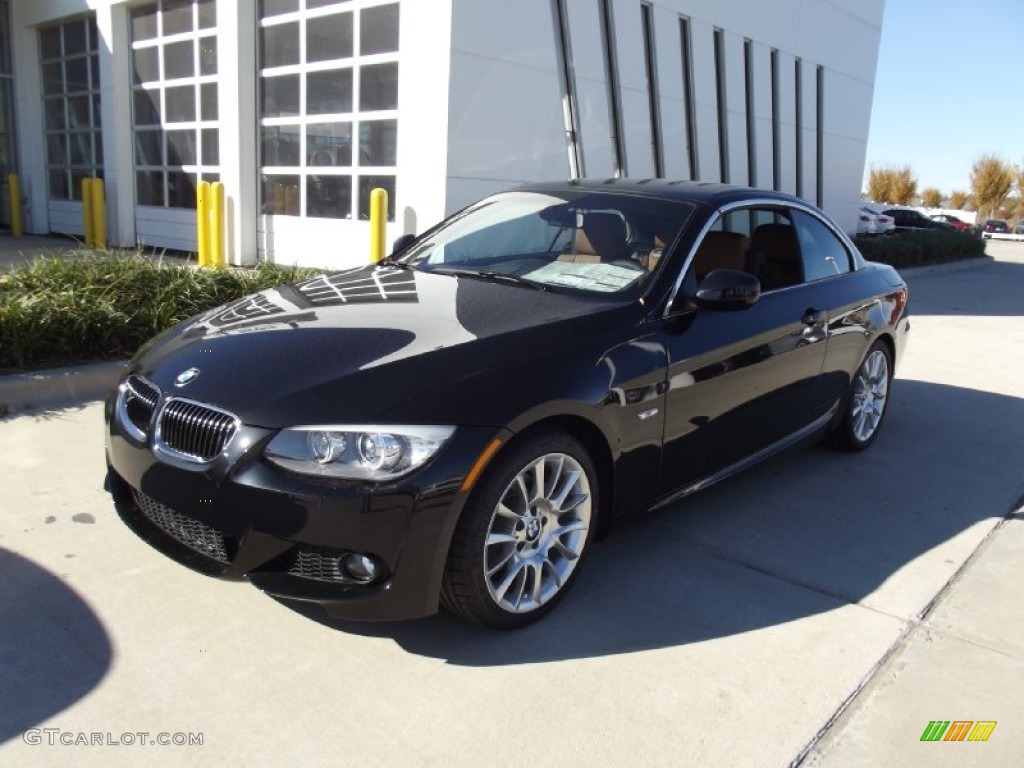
[
  {"x": 953, "y": 266},
  {"x": 59, "y": 387}
]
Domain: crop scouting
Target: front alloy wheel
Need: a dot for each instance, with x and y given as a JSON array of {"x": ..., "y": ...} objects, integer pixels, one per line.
[{"x": 522, "y": 538}]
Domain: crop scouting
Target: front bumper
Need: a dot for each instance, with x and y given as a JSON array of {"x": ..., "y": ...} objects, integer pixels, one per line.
[{"x": 244, "y": 518}]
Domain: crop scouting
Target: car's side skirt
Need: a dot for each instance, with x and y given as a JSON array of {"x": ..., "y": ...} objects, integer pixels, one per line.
[{"x": 817, "y": 425}]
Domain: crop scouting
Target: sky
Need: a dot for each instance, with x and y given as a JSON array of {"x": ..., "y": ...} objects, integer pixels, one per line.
[{"x": 949, "y": 88}]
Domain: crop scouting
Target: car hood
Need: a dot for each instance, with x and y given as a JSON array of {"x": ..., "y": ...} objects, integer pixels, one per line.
[{"x": 350, "y": 345}]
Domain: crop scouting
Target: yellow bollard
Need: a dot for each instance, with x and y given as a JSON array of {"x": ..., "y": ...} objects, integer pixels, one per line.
[
  {"x": 378, "y": 222},
  {"x": 99, "y": 216},
  {"x": 203, "y": 223},
  {"x": 217, "y": 259},
  {"x": 87, "y": 217},
  {"x": 14, "y": 198}
]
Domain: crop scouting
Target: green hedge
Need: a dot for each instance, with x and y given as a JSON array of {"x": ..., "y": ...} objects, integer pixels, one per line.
[
  {"x": 94, "y": 306},
  {"x": 913, "y": 249}
]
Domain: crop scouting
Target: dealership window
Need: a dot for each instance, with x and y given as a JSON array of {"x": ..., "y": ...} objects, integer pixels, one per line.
[
  {"x": 71, "y": 106},
  {"x": 798, "y": 118},
  {"x": 720, "y": 107},
  {"x": 776, "y": 124},
  {"x": 175, "y": 124},
  {"x": 686, "y": 47},
  {"x": 653, "y": 99},
  {"x": 748, "y": 96},
  {"x": 328, "y": 106},
  {"x": 611, "y": 68},
  {"x": 819, "y": 127}
]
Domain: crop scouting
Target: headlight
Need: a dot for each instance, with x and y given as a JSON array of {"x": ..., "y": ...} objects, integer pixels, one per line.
[{"x": 356, "y": 452}]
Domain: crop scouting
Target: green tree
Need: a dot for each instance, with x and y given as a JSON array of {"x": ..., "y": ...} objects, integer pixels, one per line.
[
  {"x": 931, "y": 197},
  {"x": 958, "y": 199},
  {"x": 991, "y": 181}
]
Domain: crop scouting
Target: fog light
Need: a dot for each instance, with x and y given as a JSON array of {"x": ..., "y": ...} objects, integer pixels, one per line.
[{"x": 360, "y": 567}]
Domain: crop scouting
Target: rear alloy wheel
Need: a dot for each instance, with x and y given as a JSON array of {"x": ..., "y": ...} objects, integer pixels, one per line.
[
  {"x": 867, "y": 402},
  {"x": 520, "y": 542}
]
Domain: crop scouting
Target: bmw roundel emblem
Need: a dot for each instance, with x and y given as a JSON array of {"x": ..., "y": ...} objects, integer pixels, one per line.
[{"x": 186, "y": 377}]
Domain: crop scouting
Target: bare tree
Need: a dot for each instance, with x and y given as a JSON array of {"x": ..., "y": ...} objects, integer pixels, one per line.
[
  {"x": 892, "y": 185},
  {"x": 931, "y": 197},
  {"x": 958, "y": 199},
  {"x": 904, "y": 186},
  {"x": 880, "y": 185},
  {"x": 991, "y": 181}
]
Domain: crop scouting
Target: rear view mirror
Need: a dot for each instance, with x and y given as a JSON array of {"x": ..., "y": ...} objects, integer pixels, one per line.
[
  {"x": 727, "y": 289},
  {"x": 401, "y": 243}
]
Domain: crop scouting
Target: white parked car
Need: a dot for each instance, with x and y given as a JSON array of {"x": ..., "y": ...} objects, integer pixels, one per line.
[{"x": 883, "y": 224}]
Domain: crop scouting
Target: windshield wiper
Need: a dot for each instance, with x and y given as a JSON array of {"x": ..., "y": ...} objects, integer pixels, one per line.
[
  {"x": 387, "y": 261},
  {"x": 490, "y": 274}
]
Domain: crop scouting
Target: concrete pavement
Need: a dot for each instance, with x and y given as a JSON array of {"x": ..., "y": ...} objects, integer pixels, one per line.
[
  {"x": 17, "y": 250},
  {"x": 821, "y": 608}
]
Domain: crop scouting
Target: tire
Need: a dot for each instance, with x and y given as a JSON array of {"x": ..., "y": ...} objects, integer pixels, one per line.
[
  {"x": 516, "y": 551},
  {"x": 867, "y": 403}
]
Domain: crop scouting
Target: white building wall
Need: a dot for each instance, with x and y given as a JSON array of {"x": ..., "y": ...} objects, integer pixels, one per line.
[
  {"x": 591, "y": 88},
  {"x": 480, "y": 108},
  {"x": 762, "y": 100},
  {"x": 668, "y": 45},
  {"x": 505, "y": 119}
]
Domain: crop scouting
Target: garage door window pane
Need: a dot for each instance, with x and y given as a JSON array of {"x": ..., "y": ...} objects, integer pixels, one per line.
[
  {"x": 57, "y": 148},
  {"x": 181, "y": 104},
  {"x": 149, "y": 148},
  {"x": 181, "y": 190},
  {"x": 208, "y": 56},
  {"x": 329, "y": 37},
  {"x": 280, "y": 145},
  {"x": 369, "y": 183},
  {"x": 181, "y": 148},
  {"x": 50, "y": 43},
  {"x": 146, "y": 64},
  {"x": 279, "y": 45},
  {"x": 149, "y": 187},
  {"x": 378, "y": 142},
  {"x": 144, "y": 22},
  {"x": 378, "y": 87},
  {"x": 178, "y": 60},
  {"x": 280, "y": 96},
  {"x": 177, "y": 16},
  {"x": 280, "y": 195},
  {"x": 329, "y": 197},
  {"x": 74, "y": 38},
  {"x": 329, "y": 92},
  {"x": 277, "y": 7},
  {"x": 329, "y": 144},
  {"x": 53, "y": 78},
  {"x": 378, "y": 30}
]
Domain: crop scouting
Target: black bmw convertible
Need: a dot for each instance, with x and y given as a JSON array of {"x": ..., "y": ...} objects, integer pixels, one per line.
[{"x": 457, "y": 424}]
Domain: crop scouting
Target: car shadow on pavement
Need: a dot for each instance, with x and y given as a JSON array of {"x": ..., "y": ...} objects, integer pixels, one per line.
[
  {"x": 53, "y": 648},
  {"x": 810, "y": 531}
]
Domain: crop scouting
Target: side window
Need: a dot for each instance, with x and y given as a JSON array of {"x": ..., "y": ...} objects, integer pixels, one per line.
[
  {"x": 823, "y": 254},
  {"x": 760, "y": 241}
]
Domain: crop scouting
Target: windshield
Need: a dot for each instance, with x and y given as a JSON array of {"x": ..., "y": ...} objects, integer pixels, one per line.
[{"x": 578, "y": 241}]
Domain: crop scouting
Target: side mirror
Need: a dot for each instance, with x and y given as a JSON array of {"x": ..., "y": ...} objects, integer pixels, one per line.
[
  {"x": 401, "y": 243},
  {"x": 727, "y": 289}
]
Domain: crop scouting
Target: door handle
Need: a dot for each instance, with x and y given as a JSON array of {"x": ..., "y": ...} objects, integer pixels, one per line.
[{"x": 814, "y": 317}]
